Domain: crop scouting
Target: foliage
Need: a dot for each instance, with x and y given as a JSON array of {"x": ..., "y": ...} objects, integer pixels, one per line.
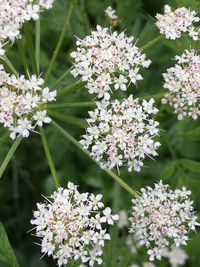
[{"x": 27, "y": 176}]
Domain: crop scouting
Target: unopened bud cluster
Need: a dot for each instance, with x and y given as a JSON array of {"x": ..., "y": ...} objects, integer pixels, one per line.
[
  {"x": 71, "y": 226},
  {"x": 183, "y": 83},
  {"x": 162, "y": 218},
  {"x": 122, "y": 133},
  {"x": 21, "y": 103},
  {"x": 174, "y": 23},
  {"x": 107, "y": 61}
]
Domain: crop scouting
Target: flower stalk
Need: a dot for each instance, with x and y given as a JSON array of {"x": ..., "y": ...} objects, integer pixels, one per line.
[
  {"x": 60, "y": 41},
  {"x": 86, "y": 152},
  {"x": 10, "y": 154},
  {"x": 49, "y": 158}
]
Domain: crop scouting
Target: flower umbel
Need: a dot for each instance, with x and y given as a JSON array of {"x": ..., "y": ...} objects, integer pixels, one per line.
[
  {"x": 21, "y": 103},
  {"x": 14, "y": 13},
  {"x": 162, "y": 218},
  {"x": 122, "y": 133},
  {"x": 173, "y": 24},
  {"x": 107, "y": 61},
  {"x": 183, "y": 83},
  {"x": 71, "y": 225}
]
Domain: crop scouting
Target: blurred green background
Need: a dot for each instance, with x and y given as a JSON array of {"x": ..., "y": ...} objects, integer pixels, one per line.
[{"x": 28, "y": 177}]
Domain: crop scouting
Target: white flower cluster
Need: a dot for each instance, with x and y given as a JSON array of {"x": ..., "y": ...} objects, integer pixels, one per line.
[
  {"x": 162, "y": 218},
  {"x": 183, "y": 83},
  {"x": 173, "y": 24},
  {"x": 70, "y": 226},
  {"x": 107, "y": 61},
  {"x": 122, "y": 133},
  {"x": 177, "y": 257},
  {"x": 111, "y": 13},
  {"x": 13, "y": 13},
  {"x": 21, "y": 103}
]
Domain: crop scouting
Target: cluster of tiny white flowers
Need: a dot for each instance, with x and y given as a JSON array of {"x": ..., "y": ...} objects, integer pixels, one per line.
[
  {"x": 71, "y": 225},
  {"x": 121, "y": 133},
  {"x": 107, "y": 61},
  {"x": 21, "y": 103},
  {"x": 111, "y": 13},
  {"x": 162, "y": 218},
  {"x": 173, "y": 24},
  {"x": 183, "y": 83},
  {"x": 13, "y": 13},
  {"x": 177, "y": 257}
]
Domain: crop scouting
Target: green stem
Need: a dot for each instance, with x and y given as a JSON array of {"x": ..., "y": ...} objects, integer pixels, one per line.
[
  {"x": 23, "y": 55},
  {"x": 37, "y": 45},
  {"x": 10, "y": 154},
  {"x": 61, "y": 77},
  {"x": 49, "y": 158},
  {"x": 68, "y": 119},
  {"x": 152, "y": 42},
  {"x": 60, "y": 41},
  {"x": 86, "y": 152},
  {"x": 30, "y": 47},
  {"x": 10, "y": 65},
  {"x": 72, "y": 105},
  {"x": 70, "y": 88},
  {"x": 155, "y": 96}
]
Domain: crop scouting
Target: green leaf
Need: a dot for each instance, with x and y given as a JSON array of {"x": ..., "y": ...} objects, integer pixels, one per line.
[
  {"x": 193, "y": 134},
  {"x": 190, "y": 165},
  {"x": 6, "y": 253},
  {"x": 168, "y": 170}
]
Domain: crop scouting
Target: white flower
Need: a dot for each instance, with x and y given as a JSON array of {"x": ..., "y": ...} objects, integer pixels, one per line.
[
  {"x": 183, "y": 83},
  {"x": 14, "y": 13},
  {"x": 123, "y": 219},
  {"x": 111, "y": 13},
  {"x": 107, "y": 61},
  {"x": 21, "y": 103},
  {"x": 132, "y": 244},
  {"x": 122, "y": 133},
  {"x": 173, "y": 24},
  {"x": 41, "y": 117},
  {"x": 66, "y": 225},
  {"x": 2, "y": 51},
  {"x": 177, "y": 257},
  {"x": 108, "y": 217},
  {"x": 46, "y": 3},
  {"x": 161, "y": 218}
]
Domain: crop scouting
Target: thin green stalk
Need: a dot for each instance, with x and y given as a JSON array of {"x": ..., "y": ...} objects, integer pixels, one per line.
[
  {"x": 67, "y": 119},
  {"x": 49, "y": 158},
  {"x": 155, "y": 96},
  {"x": 10, "y": 65},
  {"x": 152, "y": 42},
  {"x": 37, "y": 45},
  {"x": 71, "y": 105},
  {"x": 70, "y": 88},
  {"x": 61, "y": 39},
  {"x": 86, "y": 152},
  {"x": 10, "y": 154},
  {"x": 61, "y": 77},
  {"x": 30, "y": 47},
  {"x": 23, "y": 55}
]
